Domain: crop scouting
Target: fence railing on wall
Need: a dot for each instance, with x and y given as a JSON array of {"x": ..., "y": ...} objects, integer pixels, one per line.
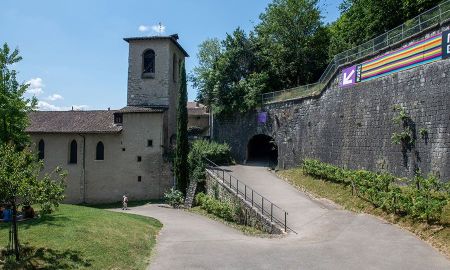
[
  {"x": 431, "y": 17},
  {"x": 268, "y": 209}
]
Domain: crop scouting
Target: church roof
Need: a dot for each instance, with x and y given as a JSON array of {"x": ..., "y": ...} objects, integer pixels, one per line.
[
  {"x": 72, "y": 122},
  {"x": 173, "y": 38},
  {"x": 143, "y": 109}
]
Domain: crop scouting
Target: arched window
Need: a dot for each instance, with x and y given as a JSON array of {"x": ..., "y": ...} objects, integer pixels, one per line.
[
  {"x": 73, "y": 152},
  {"x": 148, "y": 62},
  {"x": 174, "y": 67},
  {"x": 41, "y": 149},
  {"x": 100, "y": 151}
]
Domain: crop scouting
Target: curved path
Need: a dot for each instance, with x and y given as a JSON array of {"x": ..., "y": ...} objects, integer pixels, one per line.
[{"x": 328, "y": 238}]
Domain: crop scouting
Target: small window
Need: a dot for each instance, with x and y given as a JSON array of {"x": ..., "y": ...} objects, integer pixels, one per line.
[
  {"x": 139, "y": 158},
  {"x": 73, "y": 155},
  {"x": 139, "y": 178},
  {"x": 41, "y": 149},
  {"x": 118, "y": 118},
  {"x": 149, "y": 143},
  {"x": 123, "y": 149},
  {"x": 100, "y": 151},
  {"x": 148, "y": 62},
  {"x": 174, "y": 67}
]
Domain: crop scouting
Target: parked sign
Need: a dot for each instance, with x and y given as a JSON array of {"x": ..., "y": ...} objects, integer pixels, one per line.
[
  {"x": 348, "y": 76},
  {"x": 446, "y": 44}
]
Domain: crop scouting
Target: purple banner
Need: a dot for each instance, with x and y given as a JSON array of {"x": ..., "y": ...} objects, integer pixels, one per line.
[{"x": 262, "y": 117}]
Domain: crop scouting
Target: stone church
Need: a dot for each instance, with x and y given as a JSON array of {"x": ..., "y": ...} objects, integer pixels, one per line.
[{"x": 109, "y": 153}]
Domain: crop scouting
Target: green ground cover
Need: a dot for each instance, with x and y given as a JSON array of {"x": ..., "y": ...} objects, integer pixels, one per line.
[
  {"x": 80, "y": 237},
  {"x": 437, "y": 234}
]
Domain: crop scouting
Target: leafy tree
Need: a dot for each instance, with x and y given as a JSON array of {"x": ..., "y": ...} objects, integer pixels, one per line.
[
  {"x": 293, "y": 41},
  {"x": 181, "y": 165},
  {"x": 13, "y": 106},
  {"x": 22, "y": 184},
  {"x": 362, "y": 20}
]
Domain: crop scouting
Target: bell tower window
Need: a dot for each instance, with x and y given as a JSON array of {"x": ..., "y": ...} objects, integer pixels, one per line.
[{"x": 148, "y": 64}]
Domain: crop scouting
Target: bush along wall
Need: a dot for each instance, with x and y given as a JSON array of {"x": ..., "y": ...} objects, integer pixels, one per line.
[{"x": 421, "y": 198}]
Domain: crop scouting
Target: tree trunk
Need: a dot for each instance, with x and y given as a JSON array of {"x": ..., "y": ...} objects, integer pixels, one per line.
[{"x": 15, "y": 232}]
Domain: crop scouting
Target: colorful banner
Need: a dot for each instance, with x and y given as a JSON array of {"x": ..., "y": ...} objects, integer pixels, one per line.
[{"x": 419, "y": 53}]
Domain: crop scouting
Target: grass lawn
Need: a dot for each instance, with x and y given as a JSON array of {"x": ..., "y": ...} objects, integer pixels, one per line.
[
  {"x": 437, "y": 235},
  {"x": 80, "y": 237}
]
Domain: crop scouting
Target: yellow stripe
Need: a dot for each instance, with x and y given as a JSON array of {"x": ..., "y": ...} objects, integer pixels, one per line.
[{"x": 402, "y": 62}]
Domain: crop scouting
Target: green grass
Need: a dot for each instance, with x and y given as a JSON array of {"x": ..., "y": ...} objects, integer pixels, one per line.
[
  {"x": 80, "y": 237},
  {"x": 437, "y": 235},
  {"x": 247, "y": 230}
]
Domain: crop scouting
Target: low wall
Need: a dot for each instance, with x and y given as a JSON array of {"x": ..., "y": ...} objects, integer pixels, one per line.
[{"x": 250, "y": 215}]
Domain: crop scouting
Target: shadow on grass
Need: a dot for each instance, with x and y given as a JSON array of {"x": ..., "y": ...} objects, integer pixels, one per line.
[
  {"x": 54, "y": 219},
  {"x": 44, "y": 258},
  {"x": 119, "y": 204}
]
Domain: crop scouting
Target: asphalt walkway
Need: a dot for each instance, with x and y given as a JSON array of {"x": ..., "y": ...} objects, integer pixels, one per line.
[{"x": 328, "y": 238}]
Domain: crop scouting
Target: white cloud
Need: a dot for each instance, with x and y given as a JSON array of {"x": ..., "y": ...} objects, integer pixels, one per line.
[
  {"x": 144, "y": 28},
  {"x": 54, "y": 97},
  {"x": 46, "y": 106},
  {"x": 159, "y": 28},
  {"x": 35, "y": 87}
]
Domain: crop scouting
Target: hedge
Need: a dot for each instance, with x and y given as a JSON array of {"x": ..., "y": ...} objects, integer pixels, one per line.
[{"x": 422, "y": 198}]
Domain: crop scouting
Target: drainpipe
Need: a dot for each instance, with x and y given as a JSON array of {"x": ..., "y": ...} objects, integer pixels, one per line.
[{"x": 84, "y": 167}]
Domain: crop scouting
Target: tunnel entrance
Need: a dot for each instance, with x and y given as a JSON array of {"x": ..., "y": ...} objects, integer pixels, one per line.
[{"x": 262, "y": 149}]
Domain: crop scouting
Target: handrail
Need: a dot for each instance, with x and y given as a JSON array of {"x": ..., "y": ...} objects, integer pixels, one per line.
[
  {"x": 434, "y": 16},
  {"x": 268, "y": 209}
]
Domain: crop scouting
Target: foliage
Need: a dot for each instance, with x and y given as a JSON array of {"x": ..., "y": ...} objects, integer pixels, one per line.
[
  {"x": 13, "y": 106},
  {"x": 201, "y": 149},
  {"x": 195, "y": 131},
  {"x": 423, "y": 132},
  {"x": 213, "y": 206},
  {"x": 174, "y": 197},
  {"x": 287, "y": 48},
  {"x": 22, "y": 184},
  {"x": 423, "y": 199},
  {"x": 181, "y": 166},
  {"x": 362, "y": 20},
  {"x": 79, "y": 237}
]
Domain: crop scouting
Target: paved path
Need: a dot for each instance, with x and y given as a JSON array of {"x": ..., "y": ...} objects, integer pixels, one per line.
[{"x": 328, "y": 238}]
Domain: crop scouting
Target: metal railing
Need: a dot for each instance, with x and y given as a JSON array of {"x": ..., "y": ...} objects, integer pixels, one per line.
[
  {"x": 268, "y": 209},
  {"x": 429, "y": 18}
]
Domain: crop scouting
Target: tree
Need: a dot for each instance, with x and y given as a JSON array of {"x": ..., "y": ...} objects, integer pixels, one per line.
[
  {"x": 22, "y": 185},
  {"x": 293, "y": 40},
  {"x": 181, "y": 166},
  {"x": 362, "y": 20},
  {"x": 13, "y": 106}
]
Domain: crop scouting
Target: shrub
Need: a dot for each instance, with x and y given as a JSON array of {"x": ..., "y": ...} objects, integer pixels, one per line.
[
  {"x": 424, "y": 198},
  {"x": 174, "y": 197},
  {"x": 201, "y": 149},
  {"x": 213, "y": 206}
]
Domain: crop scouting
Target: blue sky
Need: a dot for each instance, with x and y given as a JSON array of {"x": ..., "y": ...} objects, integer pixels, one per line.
[{"x": 74, "y": 53}]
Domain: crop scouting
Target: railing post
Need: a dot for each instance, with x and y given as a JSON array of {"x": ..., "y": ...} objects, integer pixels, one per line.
[
  {"x": 237, "y": 187},
  {"x": 271, "y": 212},
  {"x": 245, "y": 190},
  {"x": 285, "y": 221},
  {"x": 230, "y": 182},
  {"x": 223, "y": 175},
  {"x": 252, "y": 197},
  {"x": 262, "y": 205}
]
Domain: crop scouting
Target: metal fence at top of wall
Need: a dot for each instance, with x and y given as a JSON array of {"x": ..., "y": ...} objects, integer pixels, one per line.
[
  {"x": 429, "y": 18},
  {"x": 270, "y": 210}
]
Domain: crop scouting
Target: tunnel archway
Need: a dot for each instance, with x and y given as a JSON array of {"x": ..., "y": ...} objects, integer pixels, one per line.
[{"x": 262, "y": 149}]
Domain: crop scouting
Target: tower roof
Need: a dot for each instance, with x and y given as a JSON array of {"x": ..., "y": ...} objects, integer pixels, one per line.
[{"x": 173, "y": 38}]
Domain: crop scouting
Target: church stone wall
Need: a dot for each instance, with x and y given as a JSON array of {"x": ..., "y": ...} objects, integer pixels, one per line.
[
  {"x": 353, "y": 126},
  {"x": 107, "y": 180}
]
